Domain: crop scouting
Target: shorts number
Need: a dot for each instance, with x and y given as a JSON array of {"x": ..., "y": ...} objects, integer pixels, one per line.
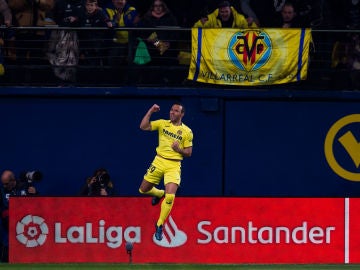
[{"x": 151, "y": 169}]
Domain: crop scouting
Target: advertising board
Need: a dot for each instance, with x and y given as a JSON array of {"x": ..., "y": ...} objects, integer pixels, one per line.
[{"x": 199, "y": 230}]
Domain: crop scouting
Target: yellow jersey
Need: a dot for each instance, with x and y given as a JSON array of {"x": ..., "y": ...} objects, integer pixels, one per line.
[{"x": 168, "y": 133}]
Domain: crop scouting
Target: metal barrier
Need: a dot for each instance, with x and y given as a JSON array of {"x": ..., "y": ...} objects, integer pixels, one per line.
[{"x": 103, "y": 62}]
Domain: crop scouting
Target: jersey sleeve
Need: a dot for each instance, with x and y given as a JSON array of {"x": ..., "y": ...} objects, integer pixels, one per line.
[
  {"x": 188, "y": 142},
  {"x": 156, "y": 124}
]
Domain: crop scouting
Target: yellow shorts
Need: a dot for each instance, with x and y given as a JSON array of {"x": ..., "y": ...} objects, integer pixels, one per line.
[{"x": 160, "y": 168}]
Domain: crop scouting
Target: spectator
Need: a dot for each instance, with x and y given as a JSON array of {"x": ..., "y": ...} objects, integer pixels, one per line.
[
  {"x": 68, "y": 12},
  {"x": 161, "y": 43},
  {"x": 289, "y": 18},
  {"x": 263, "y": 12},
  {"x": 225, "y": 16},
  {"x": 247, "y": 10},
  {"x": 353, "y": 13},
  {"x": 91, "y": 42},
  {"x": 5, "y": 19},
  {"x": 99, "y": 184},
  {"x": 121, "y": 14},
  {"x": 30, "y": 44},
  {"x": 64, "y": 48},
  {"x": 268, "y": 13},
  {"x": 346, "y": 61},
  {"x": 5, "y": 14},
  {"x": 10, "y": 187}
]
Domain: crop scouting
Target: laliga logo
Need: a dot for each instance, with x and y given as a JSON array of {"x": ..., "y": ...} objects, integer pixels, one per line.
[
  {"x": 31, "y": 231},
  {"x": 249, "y": 50},
  {"x": 172, "y": 236}
]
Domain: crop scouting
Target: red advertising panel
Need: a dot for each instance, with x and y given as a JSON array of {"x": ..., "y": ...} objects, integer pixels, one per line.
[
  {"x": 199, "y": 230},
  {"x": 353, "y": 233}
]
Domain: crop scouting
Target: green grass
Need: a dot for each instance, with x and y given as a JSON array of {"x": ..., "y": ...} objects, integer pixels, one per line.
[{"x": 180, "y": 266}]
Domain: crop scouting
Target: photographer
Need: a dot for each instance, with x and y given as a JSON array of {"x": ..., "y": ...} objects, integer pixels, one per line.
[
  {"x": 98, "y": 185},
  {"x": 10, "y": 187},
  {"x": 26, "y": 182}
]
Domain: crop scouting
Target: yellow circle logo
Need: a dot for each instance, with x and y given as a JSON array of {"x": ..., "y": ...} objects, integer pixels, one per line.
[{"x": 350, "y": 144}]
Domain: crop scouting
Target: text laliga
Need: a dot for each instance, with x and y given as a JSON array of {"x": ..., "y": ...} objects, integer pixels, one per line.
[
  {"x": 85, "y": 234},
  {"x": 264, "y": 235}
]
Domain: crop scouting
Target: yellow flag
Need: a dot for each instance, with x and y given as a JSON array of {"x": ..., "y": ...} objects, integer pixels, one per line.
[{"x": 249, "y": 57}]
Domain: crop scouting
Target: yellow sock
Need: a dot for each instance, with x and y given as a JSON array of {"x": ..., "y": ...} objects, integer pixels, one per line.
[
  {"x": 166, "y": 206},
  {"x": 154, "y": 192}
]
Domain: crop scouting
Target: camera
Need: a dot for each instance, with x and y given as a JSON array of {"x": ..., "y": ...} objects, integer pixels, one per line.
[
  {"x": 30, "y": 176},
  {"x": 102, "y": 179},
  {"x": 101, "y": 182}
]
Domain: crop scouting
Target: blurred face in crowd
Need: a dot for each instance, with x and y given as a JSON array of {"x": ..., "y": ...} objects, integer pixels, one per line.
[
  {"x": 90, "y": 7},
  {"x": 158, "y": 7},
  {"x": 288, "y": 13},
  {"x": 119, "y": 4},
  {"x": 224, "y": 13},
  {"x": 8, "y": 180}
]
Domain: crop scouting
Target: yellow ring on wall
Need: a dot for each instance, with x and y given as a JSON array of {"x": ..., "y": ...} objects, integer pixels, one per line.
[{"x": 328, "y": 147}]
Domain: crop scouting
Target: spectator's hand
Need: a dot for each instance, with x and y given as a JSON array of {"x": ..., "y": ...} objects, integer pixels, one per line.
[
  {"x": 92, "y": 181},
  {"x": 31, "y": 190},
  {"x": 152, "y": 38},
  {"x": 250, "y": 20},
  {"x": 109, "y": 24},
  {"x": 162, "y": 46},
  {"x": 204, "y": 20},
  {"x": 70, "y": 19},
  {"x": 103, "y": 192},
  {"x": 7, "y": 23}
]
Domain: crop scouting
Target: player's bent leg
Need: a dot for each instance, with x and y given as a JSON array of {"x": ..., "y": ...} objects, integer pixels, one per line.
[
  {"x": 145, "y": 186},
  {"x": 166, "y": 207},
  {"x": 159, "y": 193},
  {"x": 148, "y": 188}
]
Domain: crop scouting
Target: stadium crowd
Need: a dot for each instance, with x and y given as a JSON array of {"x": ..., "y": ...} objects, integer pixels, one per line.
[{"x": 114, "y": 50}]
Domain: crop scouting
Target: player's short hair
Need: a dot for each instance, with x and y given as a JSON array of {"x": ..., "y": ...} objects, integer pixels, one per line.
[{"x": 180, "y": 104}]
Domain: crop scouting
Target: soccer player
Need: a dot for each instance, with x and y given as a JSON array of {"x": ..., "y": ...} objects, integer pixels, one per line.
[{"x": 175, "y": 143}]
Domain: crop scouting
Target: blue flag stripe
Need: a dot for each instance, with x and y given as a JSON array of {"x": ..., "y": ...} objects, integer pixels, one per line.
[
  {"x": 198, "y": 57},
  {"x": 301, "y": 50}
]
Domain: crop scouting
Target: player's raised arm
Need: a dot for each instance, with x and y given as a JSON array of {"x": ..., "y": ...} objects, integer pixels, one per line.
[{"x": 145, "y": 122}]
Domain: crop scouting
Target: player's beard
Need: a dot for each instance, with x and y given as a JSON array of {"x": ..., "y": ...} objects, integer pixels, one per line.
[{"x": 174, "y": 119}]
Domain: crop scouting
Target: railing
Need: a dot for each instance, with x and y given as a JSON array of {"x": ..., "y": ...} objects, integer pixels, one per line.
[{"x": 333, "y": 63}]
